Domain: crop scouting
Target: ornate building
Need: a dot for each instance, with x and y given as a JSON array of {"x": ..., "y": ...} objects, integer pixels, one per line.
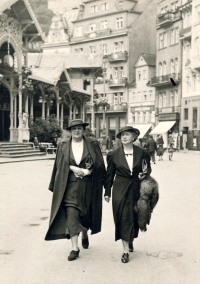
[{"x": 19, "y": 33}]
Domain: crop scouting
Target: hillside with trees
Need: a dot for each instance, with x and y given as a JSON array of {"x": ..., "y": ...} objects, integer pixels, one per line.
[{"x": 43, "y": 14}]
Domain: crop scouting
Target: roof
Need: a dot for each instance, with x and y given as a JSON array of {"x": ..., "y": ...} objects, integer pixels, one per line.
[
  {"x": 26, "y": 15},
  {"x": 149, "y": 58},
  {"x": 69, "y": 61}
]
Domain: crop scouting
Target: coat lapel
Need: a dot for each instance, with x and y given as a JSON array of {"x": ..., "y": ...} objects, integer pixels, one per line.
[
  {"x": 66, "y": 150},
  {"x": 137, "y": 152},
  {"x": 90, "y": 149},
  {"x": 122, "y": 159}
]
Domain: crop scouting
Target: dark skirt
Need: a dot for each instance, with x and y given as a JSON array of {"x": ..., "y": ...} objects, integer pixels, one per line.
[
  {"x": 77, "y": 202},
  {"x": 160, "y": 150},
  {"x": 127, "y": 227}
]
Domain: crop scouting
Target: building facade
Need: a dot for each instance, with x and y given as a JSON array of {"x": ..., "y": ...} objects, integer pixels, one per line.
[
  {"x": 168, "y": 71},
  {"x": 190, "y": 107},
  {"x": 141, "y": 103}
]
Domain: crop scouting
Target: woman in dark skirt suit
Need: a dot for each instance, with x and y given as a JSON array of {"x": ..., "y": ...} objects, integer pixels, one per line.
[
  {"x": 76, "y": 182},
  {"x": 124, "y": 172}
]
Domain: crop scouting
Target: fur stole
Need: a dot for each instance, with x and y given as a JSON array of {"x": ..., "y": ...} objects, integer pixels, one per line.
[{"x": 149, "y": 195}]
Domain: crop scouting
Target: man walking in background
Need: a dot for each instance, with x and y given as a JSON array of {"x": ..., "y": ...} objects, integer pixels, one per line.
[{"x": 151, "y": 147}]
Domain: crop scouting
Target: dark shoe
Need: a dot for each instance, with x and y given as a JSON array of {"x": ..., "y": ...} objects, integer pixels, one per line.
[
  {"x": 85, "y": 243},
  {"x": 73, "y": 255},
  {"x": 125, "y": 257},
  {"x": 131, "y": 248}
]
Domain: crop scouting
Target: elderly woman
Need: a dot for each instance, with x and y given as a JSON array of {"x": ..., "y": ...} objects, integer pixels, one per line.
[
  {"x": 76, "y": 182},
  {"x": 124, "y": 173}
]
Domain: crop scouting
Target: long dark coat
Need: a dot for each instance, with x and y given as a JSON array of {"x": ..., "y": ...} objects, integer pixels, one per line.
[
  {"x": 119, "y": 177},
  {"x": 59, "y": 178}
]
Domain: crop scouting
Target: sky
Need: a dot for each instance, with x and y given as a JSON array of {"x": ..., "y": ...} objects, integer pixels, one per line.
[{"x": 58, "y": 5}]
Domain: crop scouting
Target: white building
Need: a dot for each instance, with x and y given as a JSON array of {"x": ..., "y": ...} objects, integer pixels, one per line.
[{"x": 141, "y": 112}]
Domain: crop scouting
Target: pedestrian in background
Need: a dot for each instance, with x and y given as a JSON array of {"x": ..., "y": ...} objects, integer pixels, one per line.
[
  {"x": 170, "y": 146},
  {"x": 76, "y": 183},
  {"x": 124, "y": 173},
  {"x": 151, "y": 147},
  {"x": 160, "y": 149}
]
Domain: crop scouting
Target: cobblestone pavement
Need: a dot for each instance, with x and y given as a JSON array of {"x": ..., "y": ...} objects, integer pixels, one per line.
[{"x": 169, "y": 252}]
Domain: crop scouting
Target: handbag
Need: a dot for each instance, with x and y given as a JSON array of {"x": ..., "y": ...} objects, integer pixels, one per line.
[{"x": 149, "y": 195}]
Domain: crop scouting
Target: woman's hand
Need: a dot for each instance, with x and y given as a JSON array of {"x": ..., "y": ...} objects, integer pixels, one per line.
[
  {"x": 141, "y": 176},
  {"x": 107, "y": 198}
]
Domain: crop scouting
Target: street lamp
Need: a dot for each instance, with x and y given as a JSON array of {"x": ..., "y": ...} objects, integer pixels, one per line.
[{"x": 104, "y": 106}]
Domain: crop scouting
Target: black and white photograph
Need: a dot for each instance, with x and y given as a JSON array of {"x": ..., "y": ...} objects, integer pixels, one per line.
[{"x": 99, "y": 141}]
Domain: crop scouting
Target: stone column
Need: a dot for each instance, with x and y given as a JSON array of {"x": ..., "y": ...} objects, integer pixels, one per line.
[
  {"x": 43, "y": 108},
  {"x": 11, "y": 117},
  {"x": 20, "y": 115},
  {"x": 15, "y": 111},
  {"x": 47, "y": 115},
  {"x": 31, "y": 110}
]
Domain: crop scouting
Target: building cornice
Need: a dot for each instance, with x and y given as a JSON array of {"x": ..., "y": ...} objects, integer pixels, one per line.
[{"x": 105, "y": 15}]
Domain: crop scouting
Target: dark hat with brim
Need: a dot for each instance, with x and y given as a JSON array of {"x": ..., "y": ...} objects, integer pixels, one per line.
[
  {"x": 77, "y": 122},
  {"x": 129, "y": 129}
]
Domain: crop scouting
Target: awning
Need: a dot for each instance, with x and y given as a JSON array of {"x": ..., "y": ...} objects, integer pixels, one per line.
[
  {"x": 142, "y": 127},
  {"x": 163, "y": 127}
]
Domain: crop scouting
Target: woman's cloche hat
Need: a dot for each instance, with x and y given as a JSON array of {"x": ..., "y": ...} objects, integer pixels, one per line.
[
  {"x": 76, "y": 122},
  {"x": 128, "y": 128}
]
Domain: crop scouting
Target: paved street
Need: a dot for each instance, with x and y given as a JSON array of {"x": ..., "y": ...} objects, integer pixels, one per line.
[{"x": 169, "y": 252}]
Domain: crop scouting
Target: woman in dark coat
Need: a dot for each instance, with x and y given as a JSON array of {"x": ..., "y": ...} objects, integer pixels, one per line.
[
  {"x": 76, "y": 183},
  {"x": 124, "y": 173}
]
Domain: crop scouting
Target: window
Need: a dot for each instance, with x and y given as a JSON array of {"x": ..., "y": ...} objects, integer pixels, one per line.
[
  {"x": 161, "y": 44},
  {"x": 92, "y": 27},
  {"x": 165, "y": 40},
  {"x": 177, "y": 35},
  {"x": 185, "y": 113},
  {"x": 115, "y": 72},
  {"x": 172, "y": 37},
  {"x": 160, "y": 69},
  {"x": 139, "y": 75},
  {"x": 171, "y": 99},
  {"x": 92, "y": 49},
  {"x": 176, "y": 98},
  {"x": 197, "y": 47},
  {"x": 121, "y": 46},
  {"x": 104, "y": 25},
  {"x": 176, "y": 66},
  {"x": 172, "y": 66},
  {"x": 121, "y": 72},
  {"x": 194, "y": 118},
  {"x": 115, "y": 99},
  {"x": 172, "y": 6},
  {"x": 164, "y": 100},
  {"x": 188, "y": 82},
  {"x": 145, "y": 96},
  {"x": 79, "y": 50},
  {"x": 134, "y": 97},
  {"x": 104, "y": 48},
  {"x": 116, "y": 47},
  {"x": 119, "y": 23},
  {"x": 164, "y": 68},
  {"x": 144, "y": 74},
  {"x": 194, "y": 83},
  {"x": 121, "y": 97},
  {"x": 79, "y": 31},
  {"x": 93, "y": 9},
  {"x": 198, "y": 13},
  {"x": 104, "y": 6},
  {"x": 160, "y": 101}
]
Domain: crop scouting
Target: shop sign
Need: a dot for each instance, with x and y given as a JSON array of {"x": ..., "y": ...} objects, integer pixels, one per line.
[{"x": 168, "y": 116}]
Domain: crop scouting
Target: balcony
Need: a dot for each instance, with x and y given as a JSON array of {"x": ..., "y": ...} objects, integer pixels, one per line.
[
  {"x": 117, "y": 82},
  {"x": 186, "y": 6},
  {"x": 167, "y": 19},
  {"x": 173, "y": 109},
  {"x": 99, "y": 33},
  {"x": 165, "y": 79},
  {"x": 185, "y": 33},
  {"x": 118, "y": 56},
  {"x": 115, "y": 108}
]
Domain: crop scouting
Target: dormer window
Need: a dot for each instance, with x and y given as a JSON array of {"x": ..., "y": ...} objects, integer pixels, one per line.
[
  {"x": 93, "y": 8},
  {"x": 104, "y": 6},
  {"x": 92, "y": 27},
  {"x": 119, "y": 23}
]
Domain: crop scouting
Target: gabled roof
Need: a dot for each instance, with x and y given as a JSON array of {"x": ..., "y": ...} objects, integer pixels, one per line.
[
  {"x": 26, "y": 15},
  {"x": 150, "y": 59}
]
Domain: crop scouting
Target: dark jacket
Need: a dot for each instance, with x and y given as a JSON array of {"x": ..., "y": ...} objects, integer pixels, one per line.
[
  {"x": 151, "y": 145},
  {"x": 119, "y": 177},
  {"x": 59, "y": 179}
]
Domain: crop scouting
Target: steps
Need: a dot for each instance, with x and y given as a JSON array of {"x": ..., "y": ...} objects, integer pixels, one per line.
[{"x": 18, "y": 150}]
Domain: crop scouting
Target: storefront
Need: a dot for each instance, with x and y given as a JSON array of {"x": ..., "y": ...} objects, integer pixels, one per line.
[{"x": 168, "y": 124}]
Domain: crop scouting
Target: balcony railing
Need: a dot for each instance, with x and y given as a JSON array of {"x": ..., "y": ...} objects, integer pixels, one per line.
[
  {"x": 167, "y": 18},
  {"x": 118, "y": 56},
  {"x": 165, "y": 79},
  {"x": 117, "y": 82},
  {"x": 98, "y": 33},
  {"x": 184, "y": 32},
  {"x": 114, "y": 108}
]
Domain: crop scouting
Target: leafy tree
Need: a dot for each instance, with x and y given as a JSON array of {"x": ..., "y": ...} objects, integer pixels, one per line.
[{"x": 45, "y": 130}]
